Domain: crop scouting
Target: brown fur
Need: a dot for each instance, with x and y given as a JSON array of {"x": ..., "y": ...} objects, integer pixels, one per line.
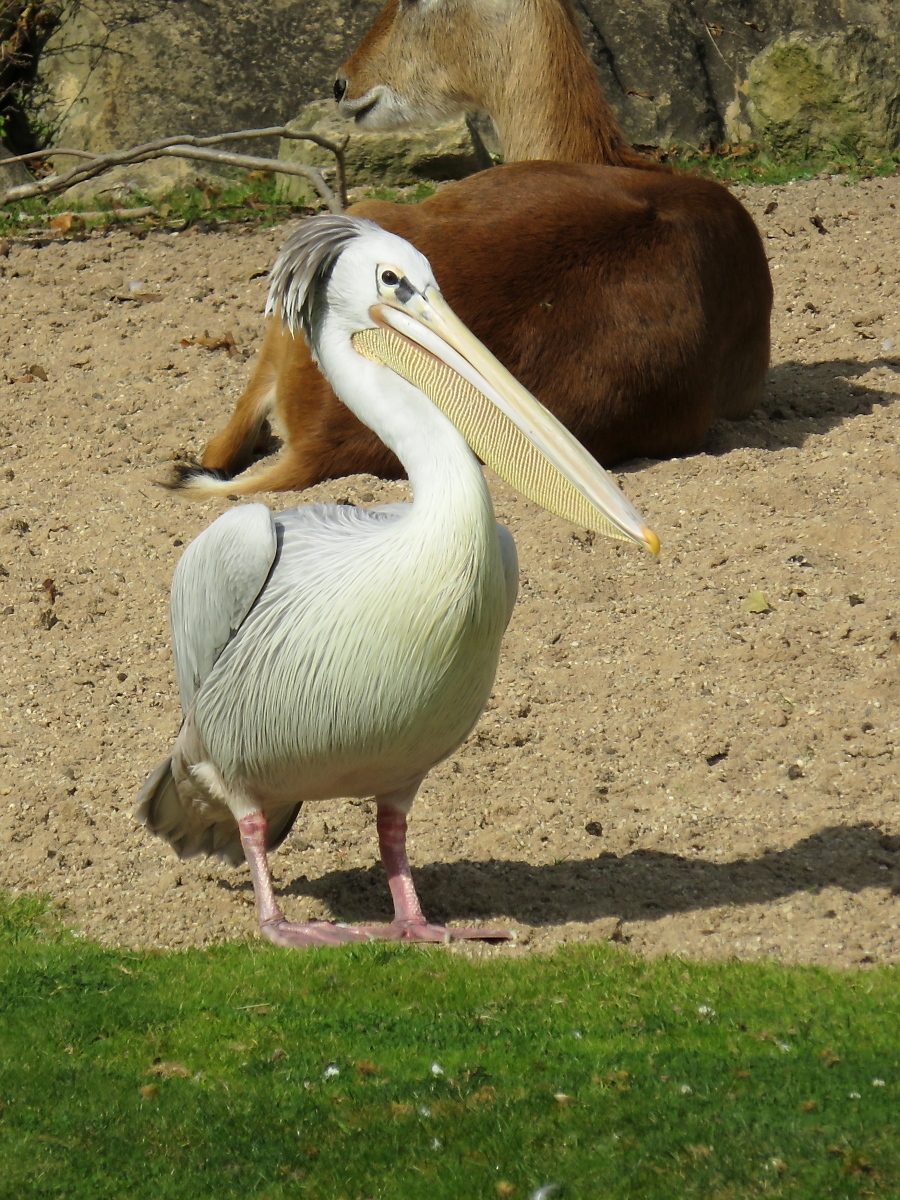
[{"x": 632, "y": 301}]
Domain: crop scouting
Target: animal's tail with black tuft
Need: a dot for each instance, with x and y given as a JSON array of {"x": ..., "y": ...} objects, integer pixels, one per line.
[{"x": 203, "y": 483}]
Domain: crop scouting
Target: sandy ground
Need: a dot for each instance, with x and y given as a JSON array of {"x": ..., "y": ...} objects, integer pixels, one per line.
[{"x": 657, "y": 765}]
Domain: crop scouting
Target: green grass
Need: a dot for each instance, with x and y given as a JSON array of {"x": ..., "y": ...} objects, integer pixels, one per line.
[
  {"x": 256, "y": 200},
  {"x": 401, "y": 195},
  {"x": 212, "y": 1074},
  {"x": 753, "y": 165}
]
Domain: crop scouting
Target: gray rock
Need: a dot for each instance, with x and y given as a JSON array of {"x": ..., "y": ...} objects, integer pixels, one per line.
[
  {"x": 11, "y": 174},
  {"x": 806, "y": 93},
  {"x": 393, "y": 157}
]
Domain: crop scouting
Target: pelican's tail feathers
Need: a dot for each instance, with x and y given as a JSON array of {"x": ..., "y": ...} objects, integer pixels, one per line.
[
  {"x": 158, "y": 801},
  {"x": 189, "y": 828}
]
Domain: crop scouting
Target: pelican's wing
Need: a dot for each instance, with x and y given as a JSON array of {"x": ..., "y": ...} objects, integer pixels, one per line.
[{"x": 216, "y": 583}]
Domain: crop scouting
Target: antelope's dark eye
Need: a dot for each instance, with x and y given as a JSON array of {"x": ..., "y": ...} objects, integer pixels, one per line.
[{"x": 389, "y": 278}]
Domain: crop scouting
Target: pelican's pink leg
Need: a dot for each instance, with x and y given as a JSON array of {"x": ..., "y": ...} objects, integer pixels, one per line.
[
  {"x": 272, "y": 924},
  {"x": 409, "y": 923},
  {"x": 391, "y": 825}
]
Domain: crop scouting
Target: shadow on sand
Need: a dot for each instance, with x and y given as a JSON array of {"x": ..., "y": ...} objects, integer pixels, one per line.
[
  {"x": 640, "y": 885},
  {"x": 802, "y": 400}
]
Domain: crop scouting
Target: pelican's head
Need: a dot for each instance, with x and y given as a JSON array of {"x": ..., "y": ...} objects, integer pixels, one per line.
[
  {"x": 345, "y": 277},
  {"x": 342, "y": 266}
]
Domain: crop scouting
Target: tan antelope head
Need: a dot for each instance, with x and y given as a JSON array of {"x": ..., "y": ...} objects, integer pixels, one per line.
[{"x": 521, "y": 61}]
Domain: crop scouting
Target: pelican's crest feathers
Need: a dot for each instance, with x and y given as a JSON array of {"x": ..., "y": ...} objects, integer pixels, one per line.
[{"x": 305, "y": 265}]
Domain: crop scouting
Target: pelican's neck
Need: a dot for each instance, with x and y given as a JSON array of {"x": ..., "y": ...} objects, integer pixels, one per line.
[
  {"x": 445, "y": 476},
  {"x": 448, "y": 487}
]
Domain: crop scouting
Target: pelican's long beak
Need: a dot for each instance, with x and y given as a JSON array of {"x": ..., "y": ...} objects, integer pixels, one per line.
[{"x": 503, "y": 423}]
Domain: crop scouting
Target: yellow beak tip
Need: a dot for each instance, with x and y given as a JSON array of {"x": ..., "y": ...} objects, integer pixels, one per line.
[{"x": 651, "y": 541}]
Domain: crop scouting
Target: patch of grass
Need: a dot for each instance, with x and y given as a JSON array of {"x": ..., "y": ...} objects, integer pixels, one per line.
[
  {"x": 255, "y": 200},
  {"x": 26, "y": 916},
  {"x": 259, "y": 198},
  {"x": 400, "y": 195},
  {"x": 396, "y": 1073},
  {"x": 751, "y": 164}
]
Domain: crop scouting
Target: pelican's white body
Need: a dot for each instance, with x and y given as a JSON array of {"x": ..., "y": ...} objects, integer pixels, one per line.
[
  {"x": 370, "y": 641},
  {"x": 353, "y": 696}
]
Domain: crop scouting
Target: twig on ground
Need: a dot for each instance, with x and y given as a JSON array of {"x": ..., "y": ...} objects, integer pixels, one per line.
[
  {"x": 186, "y": 146},
  {"x": 105, "y": 214}
]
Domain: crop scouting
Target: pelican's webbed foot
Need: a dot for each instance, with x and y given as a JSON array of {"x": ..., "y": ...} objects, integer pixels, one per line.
[
  {"x": 424, "y": 931},
  {"x": 272, "y": 923},
  {"x": 409, "y": 925},
  {"x": 311, "y": 933},
  {"x": 327, "y": 933}
]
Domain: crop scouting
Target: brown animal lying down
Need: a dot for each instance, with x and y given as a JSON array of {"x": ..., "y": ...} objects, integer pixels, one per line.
[{"x": 633, "y": 303}]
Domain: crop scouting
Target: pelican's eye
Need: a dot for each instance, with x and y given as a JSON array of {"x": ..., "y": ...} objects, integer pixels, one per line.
[{"x": 394, "y": 286}]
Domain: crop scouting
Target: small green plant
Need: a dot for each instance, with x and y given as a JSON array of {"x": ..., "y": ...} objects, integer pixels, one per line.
[
  {"x": 259, "y": 198},
  {"x": 27, "y": 917},
  {"x": 410, "y": 194}
]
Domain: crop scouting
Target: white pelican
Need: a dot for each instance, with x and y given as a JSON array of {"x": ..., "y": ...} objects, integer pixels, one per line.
[{"x": 334, "y": 651}]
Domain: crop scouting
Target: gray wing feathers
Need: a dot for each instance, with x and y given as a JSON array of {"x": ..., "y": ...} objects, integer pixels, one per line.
[{"x": 216, "y": 583}]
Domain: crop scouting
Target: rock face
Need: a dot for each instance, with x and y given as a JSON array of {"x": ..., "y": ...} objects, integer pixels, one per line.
[
  {"x": 119, "y": 72},
  {"x": 814, "y": 92},
  {"x": 12, "y": 174},
  {"x": 791, "y": 74}
]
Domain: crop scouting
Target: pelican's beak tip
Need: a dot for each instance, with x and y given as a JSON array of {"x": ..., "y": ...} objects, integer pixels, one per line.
[{"x": 651, "y": 541}]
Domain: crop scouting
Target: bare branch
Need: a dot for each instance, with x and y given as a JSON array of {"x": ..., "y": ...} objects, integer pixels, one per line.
[
  {"x": 187, "y": 146},
  {"x": 21, "y": 158}
]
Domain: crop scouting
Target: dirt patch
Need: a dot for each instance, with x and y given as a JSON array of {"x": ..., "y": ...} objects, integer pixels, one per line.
[{"x": 661, "y": 762}]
